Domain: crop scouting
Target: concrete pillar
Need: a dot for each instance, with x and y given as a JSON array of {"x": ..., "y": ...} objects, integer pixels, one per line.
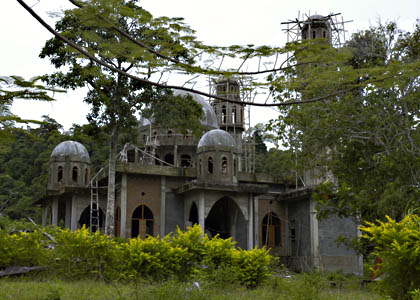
[
  {"x": 256, "y": 222},
  {"x": 54, "y": 218},
  {"x": 250, "y": 222},
  {"x": 44, "y": 215},
  {"x": 123, "y": 220},
  {"x": 314, "y": 234},
  {"x": 201, "y": 211},
  {"x": 67, "y": 218},
  {"x": 176, "y": 155},
  {"x": 73, "y": 225},
  {"x": 162, "y": 206}
]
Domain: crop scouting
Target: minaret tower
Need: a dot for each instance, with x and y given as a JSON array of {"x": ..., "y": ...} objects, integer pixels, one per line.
[{"x": 230, "y": 115}]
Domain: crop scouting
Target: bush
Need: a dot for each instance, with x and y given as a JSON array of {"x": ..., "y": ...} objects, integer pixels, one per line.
[{"x": 397, "y": 244}]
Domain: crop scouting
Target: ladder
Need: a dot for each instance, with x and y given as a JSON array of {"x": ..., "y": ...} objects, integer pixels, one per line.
[{"x": 94, "y": 203}]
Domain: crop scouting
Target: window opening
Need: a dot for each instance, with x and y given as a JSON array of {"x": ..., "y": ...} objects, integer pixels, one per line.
[
  {"x": 60, "y": 174},
  {"x": 224, "y": 165},
  {"x": 210, "y": 165},
  {"x": 86, "y": 175},
  {"x": 186, "y": 161},
  {"x": 142, "y": 222}
]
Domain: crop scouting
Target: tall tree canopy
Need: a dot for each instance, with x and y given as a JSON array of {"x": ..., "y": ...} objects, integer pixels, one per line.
[
  {"x": 369, "y": 138},
  {"x": 114, "y": 97}
]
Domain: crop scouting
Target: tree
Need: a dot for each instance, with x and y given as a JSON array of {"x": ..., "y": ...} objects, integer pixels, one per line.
[
  {"x": 368, "y": 138},
  {"x": 115, "y": 97}
]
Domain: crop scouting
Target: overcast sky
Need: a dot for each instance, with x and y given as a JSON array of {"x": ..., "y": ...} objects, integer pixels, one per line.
[{"x": 217, "y": 22}]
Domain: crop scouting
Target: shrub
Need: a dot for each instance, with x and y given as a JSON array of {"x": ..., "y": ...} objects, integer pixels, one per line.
[
  {"x": 251, "y": 267},
  {"x": 82, "y": 253},
  {"x": 397, "y": 244}
]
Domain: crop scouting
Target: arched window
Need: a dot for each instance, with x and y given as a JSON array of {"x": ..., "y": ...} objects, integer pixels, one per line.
[
  {"x": 223, "y": 114},
  {"x": 60, "y": 174},
  {"x": 86, "y": 175},
  {"x": 142, "y": 222},
  {"x": 75, "y": 173},
  {"x": 169, "y": 134},
  {"x": 193, "y": 217},
  {"x": 154, "y": 134},
  {"x": 199, "y": 167},
  {"x": 235, "y": 168},
  {"x": 224, "y": 165},
  {"x": 186, "y": 161},
  {"x": 210, "y": 165},
  {"x": 271, "y": 230},
  {"x": 233, "y": 114},
  {"x": 169, "y": 158}
]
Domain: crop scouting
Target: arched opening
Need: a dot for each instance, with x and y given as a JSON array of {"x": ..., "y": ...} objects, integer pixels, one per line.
[
  {"x": 226, "y": 219},
  {"x": 223, "y": 114},
  {"x": 210, "y": 165},
  {"x": 142, "y": 222},
  {"x": 271, "y": 230},
  {"x": 233, "y": 115},
  {"x": 313, "y": 34},
  {"x": 60, "y": 174},
  {"x": 74, "y": 174},
  {"x": 186, "y": 161},
  {"x": 86, "y": 175},
  {"x": 169, "y": 134},
  {"x": 117, "y": 223},
  {"x": 224, "y": 165},
  {"x": 169, "y": 158},
  {"x": 324, "y": 34},
  {"x": 154, "y": 135},
  {"x": 85, "y": 217},
  {"x": 193, "y": 217}
]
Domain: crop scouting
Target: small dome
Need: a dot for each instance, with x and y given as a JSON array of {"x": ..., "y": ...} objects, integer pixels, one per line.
[
  {"x": 71, "y": 150},
  {"x": 210, "y": 118},
  {"x": 216, "y": 138}
]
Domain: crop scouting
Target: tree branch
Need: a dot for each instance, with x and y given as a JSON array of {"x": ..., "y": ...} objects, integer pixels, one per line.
[{"x": 148, "y": 82}]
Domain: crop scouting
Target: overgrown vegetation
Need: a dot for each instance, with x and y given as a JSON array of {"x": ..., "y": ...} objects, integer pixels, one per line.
[{"x": 398, "y": 245}]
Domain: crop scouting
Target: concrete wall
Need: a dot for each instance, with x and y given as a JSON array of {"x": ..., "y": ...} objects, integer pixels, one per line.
[
  {"x": 334, "y": 256},
  {"x": 174, "y": 211}
]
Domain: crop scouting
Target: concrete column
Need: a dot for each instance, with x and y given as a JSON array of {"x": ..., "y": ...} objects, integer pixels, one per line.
[
  {"x": 250, "y": 221},
  {"x": 201, "y": 211},
  {"x": 54, "y": 219},
  {"x": 176, "y": 155},
  {"x": 67, "y": 218},
  {"x": 162, "y": 206},
  {"x": 314, "y": 234},
  {"x": 73, "y": 225},
  {"x": 256, "y": 222},
  {"x": 44, "y": 215},
  {"x": 123, "y": 220}
]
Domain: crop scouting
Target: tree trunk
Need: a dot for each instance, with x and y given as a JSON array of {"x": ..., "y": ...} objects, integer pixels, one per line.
[{"x": 110, "y": 207}]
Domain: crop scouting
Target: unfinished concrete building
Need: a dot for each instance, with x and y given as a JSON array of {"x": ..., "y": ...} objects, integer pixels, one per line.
[{"x": 169, "y": 180}]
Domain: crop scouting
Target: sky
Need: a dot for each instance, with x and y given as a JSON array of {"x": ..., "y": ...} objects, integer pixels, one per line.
[{"x": 217, "y": 22}]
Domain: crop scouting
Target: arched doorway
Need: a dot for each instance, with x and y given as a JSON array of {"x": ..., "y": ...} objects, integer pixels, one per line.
[
  {"x": 142, "y": 222},
  {"x": 193, "y": 217},
  {"x": 226, "y": 219},
  {"x": 85, "y": 217},
  {"x": 271, "y": 230}
]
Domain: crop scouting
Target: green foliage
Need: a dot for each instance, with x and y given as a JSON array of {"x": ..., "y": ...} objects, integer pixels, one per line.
[
  {"x": 251, "y": 267},
  {"x": 23, "y": 249},
  {"x": 80, "y": 254},
  {"x": 397, "y": 244},
  {"x": 368, "y": 137}
]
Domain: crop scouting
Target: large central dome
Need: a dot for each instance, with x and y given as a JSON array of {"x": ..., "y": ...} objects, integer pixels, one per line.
[{"x": 210, "y": 118}]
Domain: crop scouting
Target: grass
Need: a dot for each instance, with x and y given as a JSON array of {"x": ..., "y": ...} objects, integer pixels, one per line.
[{"x": 298, "y": 287}]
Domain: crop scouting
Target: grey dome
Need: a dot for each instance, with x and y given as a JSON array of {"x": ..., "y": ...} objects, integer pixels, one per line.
[
  {"x": 71, "y": 150},
  {"x": 210, "y": 118},
  {"x": 216, "y": 138}
]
